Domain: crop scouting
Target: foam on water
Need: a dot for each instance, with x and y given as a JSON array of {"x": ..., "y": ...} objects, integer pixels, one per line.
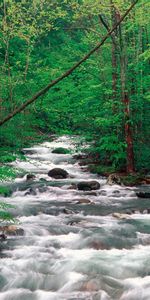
[{"x": 71, "y": 250}]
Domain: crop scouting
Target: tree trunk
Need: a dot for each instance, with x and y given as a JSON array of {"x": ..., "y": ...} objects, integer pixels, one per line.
[
  {"x": 126, "y": 103},
  {"x": 128, "y": 136}
]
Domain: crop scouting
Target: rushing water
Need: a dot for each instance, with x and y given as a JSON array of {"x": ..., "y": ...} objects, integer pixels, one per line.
[{"x": 71, "y": 250}]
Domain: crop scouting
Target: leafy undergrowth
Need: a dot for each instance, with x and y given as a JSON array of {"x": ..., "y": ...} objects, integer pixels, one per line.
[
  {"x": 5, "y": 215},
  {"x": 102, "y": 170},
  {"x": 7, "y": 173},
  {"x": 133, "y": 179},
  {"x": 5, "y": 191},
  {"x": 126, "y": 179}
]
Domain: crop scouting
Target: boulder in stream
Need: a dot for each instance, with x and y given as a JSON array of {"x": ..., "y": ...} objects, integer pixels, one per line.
[
  {"x": 143, "y": 194},
  {"x": 11, "y": 230},
  {"x": 88, "y": 185},
  {"x": 61, "y": 150},
  {"x": 30, "y": 177},
  {"x": 114, "y": 179},
  {"x": 120, "y": 216},
  {"x": 58, "y": 173}
]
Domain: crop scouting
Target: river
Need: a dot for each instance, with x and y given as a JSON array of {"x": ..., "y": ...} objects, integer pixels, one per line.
[{"x": 74, "y": 244}]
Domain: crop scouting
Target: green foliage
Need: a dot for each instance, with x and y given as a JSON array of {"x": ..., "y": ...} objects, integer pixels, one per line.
[
  {"x": 7, "y": 173},
  {"x": 5, "y": 191},
  {"x": 102, "y": 170},
  {"x": 132, "y": 180},
  {"x": 61, "y": 151},
  {"x": 7, "y": 158},
  {"x": 6, "y": 217},
  {"x": 39, "y": 40}
]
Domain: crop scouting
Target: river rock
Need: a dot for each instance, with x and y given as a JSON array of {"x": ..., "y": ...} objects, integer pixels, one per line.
[
  {"x": 113, "y": 179},
  {"x": 30, "y": 177},
  {"x": 28, "y": 151},
  {"x": 30, "y": 191},
  {"x": 90, "y": 286},
  {"x": 67, "y": 211},
  {"x": 91, "y": 193},
  {"x": 11, "y": 230},
  {"x": 58, "y": 173},
  {"x": 73, "y": 186},
  {"x": 84, "y": 201},
  {"x": 61, "y": 150},
  {"x": 88, "y": 185},
  {"x": 143, "y": 194},
  {"x": 120, "y": 216},
  {"x": 3, "y": 237}
]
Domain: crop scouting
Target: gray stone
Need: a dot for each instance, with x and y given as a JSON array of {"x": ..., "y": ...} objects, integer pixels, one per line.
[
  {"x": 58, "y": 173},
  {"x": 88, "y": 185}
]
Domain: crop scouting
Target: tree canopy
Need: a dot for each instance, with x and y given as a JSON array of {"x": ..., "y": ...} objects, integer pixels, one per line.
[{"x": 106, "y": 99}]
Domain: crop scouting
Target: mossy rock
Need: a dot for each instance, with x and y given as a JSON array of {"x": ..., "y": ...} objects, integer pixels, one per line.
[{"x": 61, "y": 150}]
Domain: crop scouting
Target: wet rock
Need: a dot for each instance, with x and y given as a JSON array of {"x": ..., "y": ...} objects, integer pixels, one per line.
[
  {"x": 31, "y": 192},
  {"x": 20, "y": 231},
  {"x": 113, "y": 179},
  {"x": 88, "y": 185},
  {"x": 83, "y": 201},
  {"x": 120, "y": 216},
  {"x": 91, "y": 193},
  {"x": 43, "y": 180},
  {"x": 72, "y": 187},
  {"x": 129, "y": 212},
  {"x": 80, "y": 156},
  {"x": 116, "y": 192},
  {"x": 11, "y": 230},
  {"x": 27, "y": 151},
  {"x": 61, "y": 150},
  {"x": 143, "y": 194},
  {"x": 90, "y": 286},
  {"x": 30, "y": 177},
  {"x": 67, "y": 211},
  {"x": 3, "y": 237},
  {"x": 58, "y": 173}
]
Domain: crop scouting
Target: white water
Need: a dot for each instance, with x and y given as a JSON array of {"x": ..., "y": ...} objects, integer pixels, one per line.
[{"x": 74, "y": 251}]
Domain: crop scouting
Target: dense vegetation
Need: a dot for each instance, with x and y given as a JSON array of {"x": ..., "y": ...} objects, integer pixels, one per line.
[{"x": 106, "y": 99}]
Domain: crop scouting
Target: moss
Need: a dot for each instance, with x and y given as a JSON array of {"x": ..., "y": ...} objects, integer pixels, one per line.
[{"x": 61, "y": 151}]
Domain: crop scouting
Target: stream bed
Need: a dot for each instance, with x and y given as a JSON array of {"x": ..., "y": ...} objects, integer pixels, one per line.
[{"x": 74, "y": 244}]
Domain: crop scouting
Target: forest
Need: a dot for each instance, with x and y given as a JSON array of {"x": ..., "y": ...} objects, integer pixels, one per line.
[
  {"x": 74, "y": 149},
  {"x": 106, "y": 99}
]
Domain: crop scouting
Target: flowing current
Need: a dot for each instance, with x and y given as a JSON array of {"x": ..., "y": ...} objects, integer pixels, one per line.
[{"x": 74, "y": 244}]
